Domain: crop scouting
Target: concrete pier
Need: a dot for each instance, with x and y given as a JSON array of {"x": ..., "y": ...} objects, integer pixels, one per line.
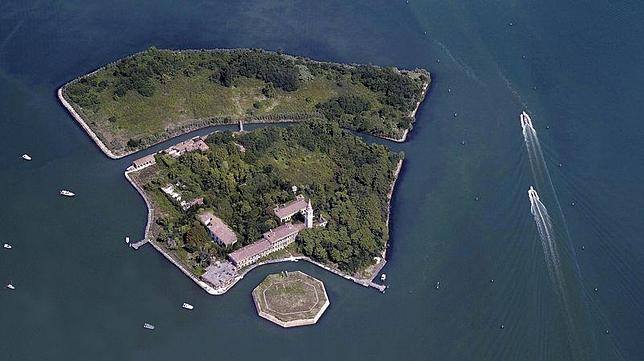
[{"x": 140, "y": 243}]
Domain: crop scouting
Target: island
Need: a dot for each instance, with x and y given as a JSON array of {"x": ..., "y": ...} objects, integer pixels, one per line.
[
  {"x": 222, "y": 204},
  {"x": 157, "y": 94},
  {"x": 291, "y": 299}
]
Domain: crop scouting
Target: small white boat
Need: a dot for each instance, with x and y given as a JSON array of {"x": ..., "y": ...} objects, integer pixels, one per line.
[
  {"x": 127, "y": 240},
  {"x": 7, "y": 246},
  {"x": 148, "y": 326},
  {"x": 383, "y": 277},
  {"x": 26, "y": 157},
  {"x": 10, "y": 286},
  {"x": 187, "y": 306},
  {"x": 67, "y": 193},
  {"x": 438, "y": 284}
]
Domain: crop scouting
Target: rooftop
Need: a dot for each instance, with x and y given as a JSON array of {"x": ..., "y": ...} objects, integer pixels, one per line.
[
  {"x": 284, "y": 230},
  {"x": 290, "y": 208},
  {"x": 217, "y": 227},
  {"x": 144, "y": 160},
  {"x": 250, "y": 250},
  {"x": 189, "y": 145}
]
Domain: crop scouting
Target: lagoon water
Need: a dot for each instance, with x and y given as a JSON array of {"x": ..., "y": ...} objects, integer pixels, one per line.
[{"x": 461, "y": 213}]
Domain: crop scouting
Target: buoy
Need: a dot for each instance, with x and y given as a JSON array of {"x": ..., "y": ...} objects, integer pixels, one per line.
[
  {"x": 502, "y": 326},
  {"x": 476, "y": 198},
  {"x": 572, "y": 204},
  {"x": 511, "y": 23},
  {"x": 455, "y": 115},
  {"x": 560, "y": 165},
  {"x": 583, "y": 248},
  {"x": 492, "y": 280},
  {"x": 462, "y": 142},
  {"x": 449, "y": 90},
  {"x": 595, "y": 289},
  {"x": 523, "y": 56},
  {"x": 438, "y": 60},
  {"x": 607, "y": 332}
]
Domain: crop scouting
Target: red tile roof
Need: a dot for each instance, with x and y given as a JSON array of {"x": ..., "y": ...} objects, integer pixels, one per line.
[
  {"x": 250, "y": 250},
  {"x": 283, "y": 231},
  {"x": 218, "y": 228},
  {"x": 290, "y": 208}
]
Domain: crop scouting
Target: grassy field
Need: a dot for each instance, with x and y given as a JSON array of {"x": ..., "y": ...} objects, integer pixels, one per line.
[
  {"x": 154, "y": 95},
  {"x": 288, "y": 297}
]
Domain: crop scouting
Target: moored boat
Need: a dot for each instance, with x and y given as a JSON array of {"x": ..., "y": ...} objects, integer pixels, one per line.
[
  {"x": 383, "y": 277},
  {"x": 187, "y": 306},
  {"x": 26, "y": 157},
  {"x": 148, "y": 326},
  {"x": 67, "y": 193},
  {"x": 7, "y": 246},
  {"x": 10, "y": 286}
]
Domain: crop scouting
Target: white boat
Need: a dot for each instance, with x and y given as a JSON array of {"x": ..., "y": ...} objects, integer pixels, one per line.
[
  {"x": 10, "y": 286},
  {"x": 148, "y": 326},
  {"x": 438, "y": 284},
  {"x": 187, "y": 306},
  {"x": 7, "y": 246},
  {"x": 67, "y": 193},
  {"x": 26, "y": 157},
  {"x": 383, "y": 277},
  {"x": 127, "y": 240}
]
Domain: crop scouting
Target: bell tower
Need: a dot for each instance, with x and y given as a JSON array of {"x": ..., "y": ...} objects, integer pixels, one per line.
[{"x": 308, "y": 217}]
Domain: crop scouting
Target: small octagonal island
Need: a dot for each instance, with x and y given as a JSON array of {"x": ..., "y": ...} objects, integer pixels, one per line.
[{"x": 291, "y": 299}]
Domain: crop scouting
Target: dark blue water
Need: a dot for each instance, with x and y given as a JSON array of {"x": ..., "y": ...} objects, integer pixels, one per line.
[{"x": 82, "y": 295}]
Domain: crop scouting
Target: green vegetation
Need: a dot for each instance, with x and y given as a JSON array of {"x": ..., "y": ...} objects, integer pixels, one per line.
[
  {"x": 153, "y": 95},
  {"x": 290, "y": 296},
  {"x": 347, "y": 180}
]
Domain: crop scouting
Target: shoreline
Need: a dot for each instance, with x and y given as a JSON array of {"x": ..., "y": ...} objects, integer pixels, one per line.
[
  {"x": 366, "y": 282},
  {"x": 200, "y": 122},
  {"x": 403, "y": 137},
  {"x": 81, "y": 122}
]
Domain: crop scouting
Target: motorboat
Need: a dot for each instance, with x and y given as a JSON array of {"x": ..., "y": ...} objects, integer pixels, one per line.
[
  {"x": 67, "y": 193},
  {"x": 525, "y": 120},
  {"x": 383, "y": 277},
  {"x": 127, "y": 240},
  {"x": 438, "y": 284},
  {"x": 148, "y": 326},
  {"x": 187, "y": 306},
  {"x": 10, "y": 286},
  {"x": 7, "y": 246},
  {"x": 26, "y": 157}
]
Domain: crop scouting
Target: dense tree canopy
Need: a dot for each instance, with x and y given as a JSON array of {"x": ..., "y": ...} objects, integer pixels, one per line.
[
  {"x": 143, "y": 97},
  {"x": 346, "y": 179}
]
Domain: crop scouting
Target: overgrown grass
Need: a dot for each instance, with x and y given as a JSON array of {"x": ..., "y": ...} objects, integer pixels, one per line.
[{"x": 187, "y": 94}]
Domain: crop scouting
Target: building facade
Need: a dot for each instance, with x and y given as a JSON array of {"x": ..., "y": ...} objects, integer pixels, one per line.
[{"x": 273, "y": 240}]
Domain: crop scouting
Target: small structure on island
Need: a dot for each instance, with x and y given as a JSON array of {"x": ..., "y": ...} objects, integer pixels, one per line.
[
  {"x": 285, "y": 212},
  {"x": 190, "y": 145},
  {"x": 217, "y": 229},
  {"x": 143, "y": 162},
  {"x": 291, "y": 299}
]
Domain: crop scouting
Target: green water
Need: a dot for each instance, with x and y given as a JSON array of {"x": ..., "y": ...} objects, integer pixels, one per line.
[{"x": 83, "y": 295}]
